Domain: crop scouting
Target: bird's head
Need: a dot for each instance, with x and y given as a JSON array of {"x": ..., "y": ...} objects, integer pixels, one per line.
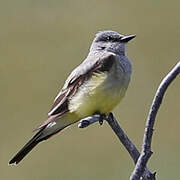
[{"x": 110, "y": 41}]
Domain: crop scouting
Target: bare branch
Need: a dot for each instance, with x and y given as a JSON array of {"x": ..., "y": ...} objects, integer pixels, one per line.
[
  {"x": 131, "y": 148},
  {"x": 146, "y": 147},
  {"x": 89, "y": 120}
]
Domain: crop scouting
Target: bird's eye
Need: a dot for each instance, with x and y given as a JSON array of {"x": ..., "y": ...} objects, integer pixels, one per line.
[
  {"x": 108, "y": 38},
  {"x": 112, "y": 39}
]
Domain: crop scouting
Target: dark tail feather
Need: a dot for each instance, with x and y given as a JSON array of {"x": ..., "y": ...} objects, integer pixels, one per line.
[
  {"x": 38, "y": 137},
  {"x": 25, "y": 150}
]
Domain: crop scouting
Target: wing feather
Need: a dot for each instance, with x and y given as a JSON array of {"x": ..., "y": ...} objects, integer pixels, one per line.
[{"x": 81, "y": 74}]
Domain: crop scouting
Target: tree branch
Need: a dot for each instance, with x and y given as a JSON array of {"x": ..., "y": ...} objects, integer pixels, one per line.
[
  {"x": 146, "y": 147},
  {"x": 130, "y": 147},
  {"x": 140, "y": 171}
]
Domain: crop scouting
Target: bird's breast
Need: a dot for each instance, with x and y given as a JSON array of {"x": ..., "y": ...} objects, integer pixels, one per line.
[{"x": 101, "y": 93}]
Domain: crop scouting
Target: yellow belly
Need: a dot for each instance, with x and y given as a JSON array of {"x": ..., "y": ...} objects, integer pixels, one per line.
[{"x": 97, "y": 95}]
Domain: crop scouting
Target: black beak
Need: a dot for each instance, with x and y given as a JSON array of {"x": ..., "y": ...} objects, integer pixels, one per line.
[{"x": 127, "y": 38}]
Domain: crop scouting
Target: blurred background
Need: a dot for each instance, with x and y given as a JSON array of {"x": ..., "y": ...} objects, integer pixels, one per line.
[{"x": 41, "y": 41}]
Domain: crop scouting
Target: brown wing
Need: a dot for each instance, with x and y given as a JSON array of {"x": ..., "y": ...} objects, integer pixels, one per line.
[{"x": 81, "y": 74}]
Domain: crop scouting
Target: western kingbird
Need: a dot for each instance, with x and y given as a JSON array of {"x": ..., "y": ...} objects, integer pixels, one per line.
[{"x": 97, "y": 85}]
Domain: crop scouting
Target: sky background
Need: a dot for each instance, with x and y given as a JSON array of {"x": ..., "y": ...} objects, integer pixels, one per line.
[{"x": 41, "y": 41}]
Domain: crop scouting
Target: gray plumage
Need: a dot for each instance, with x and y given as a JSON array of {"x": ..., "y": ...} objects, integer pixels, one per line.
[{"x": 107, "y": 56}]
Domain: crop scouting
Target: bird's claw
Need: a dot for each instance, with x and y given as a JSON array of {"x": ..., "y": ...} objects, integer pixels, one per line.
[{"x": 101, "y": 119}]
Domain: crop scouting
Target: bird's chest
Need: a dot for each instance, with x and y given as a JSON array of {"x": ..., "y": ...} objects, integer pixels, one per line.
[{"x": 100, "y": 94}]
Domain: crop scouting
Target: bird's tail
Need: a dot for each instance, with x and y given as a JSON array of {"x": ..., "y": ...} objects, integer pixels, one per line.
[
  {"x": 26, "y": 149},
  {"x": 45, "y": 131},
  {"x": 41, "y": 135}
]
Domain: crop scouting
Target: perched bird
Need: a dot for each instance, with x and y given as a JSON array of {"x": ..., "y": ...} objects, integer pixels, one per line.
[{"x": 97, "y": 85}]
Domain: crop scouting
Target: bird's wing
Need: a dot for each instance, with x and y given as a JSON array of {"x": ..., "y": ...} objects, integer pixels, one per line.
[{"x": 82, "y": 73}]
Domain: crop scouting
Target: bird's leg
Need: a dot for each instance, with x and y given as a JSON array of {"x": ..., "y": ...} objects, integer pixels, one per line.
[
  {"x": 109, "y": 117},
  {"x": 96, "y": 117},
  {"x": 102, "y": 118}
]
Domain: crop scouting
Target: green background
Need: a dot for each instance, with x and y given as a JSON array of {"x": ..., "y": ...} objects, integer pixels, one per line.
[{"x": 41, "y": 41}]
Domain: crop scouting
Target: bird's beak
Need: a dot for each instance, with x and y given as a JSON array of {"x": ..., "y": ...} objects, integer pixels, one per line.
[{"x": 127, "y": 38}]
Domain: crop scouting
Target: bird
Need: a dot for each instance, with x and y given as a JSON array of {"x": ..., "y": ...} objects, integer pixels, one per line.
[{"x": 96, "y": 86}]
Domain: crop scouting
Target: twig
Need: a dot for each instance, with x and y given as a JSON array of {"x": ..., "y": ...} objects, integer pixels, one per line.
[
  {"x": 89, "y": 120},
  {"x": 146, "y": 147},
  {"x": 130, "y": 147}
]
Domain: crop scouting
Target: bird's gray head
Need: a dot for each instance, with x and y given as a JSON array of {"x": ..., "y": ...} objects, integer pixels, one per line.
[{"x": 110, "y": 41}]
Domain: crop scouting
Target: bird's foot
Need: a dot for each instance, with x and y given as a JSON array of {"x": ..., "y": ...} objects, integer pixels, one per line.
[
  {"x": 102, "y": 118},
  {"x": 96, "y": 117},
  {"x": 110, "y": 117}
]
